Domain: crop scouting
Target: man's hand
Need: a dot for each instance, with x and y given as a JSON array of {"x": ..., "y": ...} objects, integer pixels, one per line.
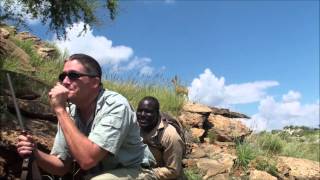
[
  {"x": 25, "y": 146},
  {"x": 58, "y": 96}
]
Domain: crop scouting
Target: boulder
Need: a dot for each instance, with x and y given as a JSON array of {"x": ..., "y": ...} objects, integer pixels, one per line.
[
  {"x": 197, "y": 133},
  {"x": 196, "y": 108},
  {"x": 46, "y": 52},
  {"x": 228, "y": 129},
  {"x": 296, "y": 168},
  {"x": 228, "y": 113},
  {"x": 28, "y": 36},
  {"x": 33, "y": 109},
  {"x": 258, "y": 175},
  {"x": 219, "y": 164},
  {"x": 10, "y": 49},
  {"x": 192, "y": 119},
  {"x": 4, "y": 33}
]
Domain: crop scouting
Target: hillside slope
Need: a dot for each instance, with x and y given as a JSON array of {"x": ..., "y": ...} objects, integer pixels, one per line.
[{"x": 220, "y": 146}]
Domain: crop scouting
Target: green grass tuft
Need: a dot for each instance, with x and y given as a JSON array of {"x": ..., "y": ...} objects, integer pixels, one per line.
[
  {"x": 245, "y": 154},
  {"x": 271, "y": 143},
  {"x": 193, "y": 173}
]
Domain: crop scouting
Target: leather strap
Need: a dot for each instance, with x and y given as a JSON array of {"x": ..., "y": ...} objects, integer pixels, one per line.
[{"x": 24, "y": 169}]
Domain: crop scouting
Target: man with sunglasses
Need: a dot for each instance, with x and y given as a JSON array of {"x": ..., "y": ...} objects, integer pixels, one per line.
[{"x": 97, "y": 128}]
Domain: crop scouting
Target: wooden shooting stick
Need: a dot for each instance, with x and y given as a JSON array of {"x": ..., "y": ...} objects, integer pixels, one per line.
[{"x": 28, "y": 163}]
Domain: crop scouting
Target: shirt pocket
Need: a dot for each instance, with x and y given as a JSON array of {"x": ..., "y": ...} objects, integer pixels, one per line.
[{"x": 111, "y": 121}]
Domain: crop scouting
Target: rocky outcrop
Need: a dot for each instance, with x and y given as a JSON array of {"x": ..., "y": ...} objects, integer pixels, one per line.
[
  {"x": 224, "y": 123},
  {"x": 228, "y": 129},
  {"x": 37, "y": 116},
  {"x": 40, "y": 47},
  {"x": 228, "y": 113},
  {"x": 33, "y": 109},
  {"x": 296, "y": 168},
  {"x": 259, "y": 175},
  {"x": 9, "y": 49},
  {"x": 213, "y": 160}
]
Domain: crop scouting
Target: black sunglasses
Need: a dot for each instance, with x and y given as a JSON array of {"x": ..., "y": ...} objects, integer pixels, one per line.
[{"x": 73, "y": 75}]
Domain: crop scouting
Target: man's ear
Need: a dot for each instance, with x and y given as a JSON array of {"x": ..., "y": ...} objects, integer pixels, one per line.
[{"x": 97, "y": 82}]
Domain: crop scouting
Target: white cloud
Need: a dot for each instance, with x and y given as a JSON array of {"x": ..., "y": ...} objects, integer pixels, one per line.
[
  {"x": 288, "y": 111},
  {"x": 140, "y": 64},
  {"x": 98, "y": 47},
  {"x": 211, "y": 90},
  {"x": 291, "y": 96},
  {"x": 247, "y": 92},
  {"x": 120, "y": 58}
]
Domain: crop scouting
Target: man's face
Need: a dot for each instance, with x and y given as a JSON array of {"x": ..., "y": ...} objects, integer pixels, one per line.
[
  {"x": 147, "y": 115},
  {"x": 81, "y": 87}
]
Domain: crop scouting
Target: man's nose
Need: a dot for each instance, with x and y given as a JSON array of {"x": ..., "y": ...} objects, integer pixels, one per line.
[{"x": 66, "y": 80}]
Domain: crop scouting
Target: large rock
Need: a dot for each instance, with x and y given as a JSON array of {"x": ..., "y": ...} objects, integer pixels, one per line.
[
  {"x": 40, "y": 47},
  {"x": 28, "y": 36},
  {"x": 33, "y": 109},
  {"x": 4, "y": 33},
  {"x": 46, "y": 52},
  {"x": 227, "y": 113},
  {"x": 197, "y": 133},
  {"x": 11, "y": 50},
  {"x": 196, "y": 108},
  {"x": 189, "y": 119},
  {"x": 259, "y": 175},
  {"x": 296, "y": 168},
  {"x": 26, "y": 94},
  {"x": 220, "y": 164},
  {"x": 43, "y": 132},
  {"x": 228, "y": 129}
]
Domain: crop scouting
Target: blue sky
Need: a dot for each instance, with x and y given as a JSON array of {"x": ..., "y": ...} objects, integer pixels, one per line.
[{"x": 260, "y": 58}]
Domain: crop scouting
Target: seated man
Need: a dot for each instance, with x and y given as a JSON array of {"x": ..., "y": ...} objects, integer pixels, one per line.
[
  {"x": 162, "y": 138},
  {"x": 97, "y": 128}
]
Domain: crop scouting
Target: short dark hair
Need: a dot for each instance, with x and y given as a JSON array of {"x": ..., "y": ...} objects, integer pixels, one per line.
[
  {"x": 91, "y": 65},
  {"x": 152, "y": 99}
]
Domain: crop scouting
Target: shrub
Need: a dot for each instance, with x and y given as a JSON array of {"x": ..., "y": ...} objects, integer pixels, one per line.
[
  {"x": 193, "y": 173},
  {"x": 271, "y": 143},
  {"x": 245, "y": 154},
  {"x": 266, "y": 164},
  {"x": 212, "y": 135}
]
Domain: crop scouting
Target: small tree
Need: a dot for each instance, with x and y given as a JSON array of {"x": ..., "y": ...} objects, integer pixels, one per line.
[{"x": 59, "y": 14}]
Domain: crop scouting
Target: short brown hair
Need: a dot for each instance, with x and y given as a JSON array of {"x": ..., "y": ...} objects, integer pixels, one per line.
[{"x": 91, "y": 65}]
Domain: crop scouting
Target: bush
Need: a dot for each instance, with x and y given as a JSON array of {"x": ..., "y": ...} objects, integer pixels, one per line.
[
  {"x": 245, "y": 154},
  {"x": 212, "y": 135},
  {"x": 271, "y": 143},
  {"x": 193, "y": 173},
  {"x": 266, "y": 164}
]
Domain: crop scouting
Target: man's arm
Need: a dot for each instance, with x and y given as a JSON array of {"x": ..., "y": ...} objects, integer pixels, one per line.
[
  {"x": 49, "y": 163},
  {"x": 86, "y": 153},
  {"x": 172, "y": 155}
]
